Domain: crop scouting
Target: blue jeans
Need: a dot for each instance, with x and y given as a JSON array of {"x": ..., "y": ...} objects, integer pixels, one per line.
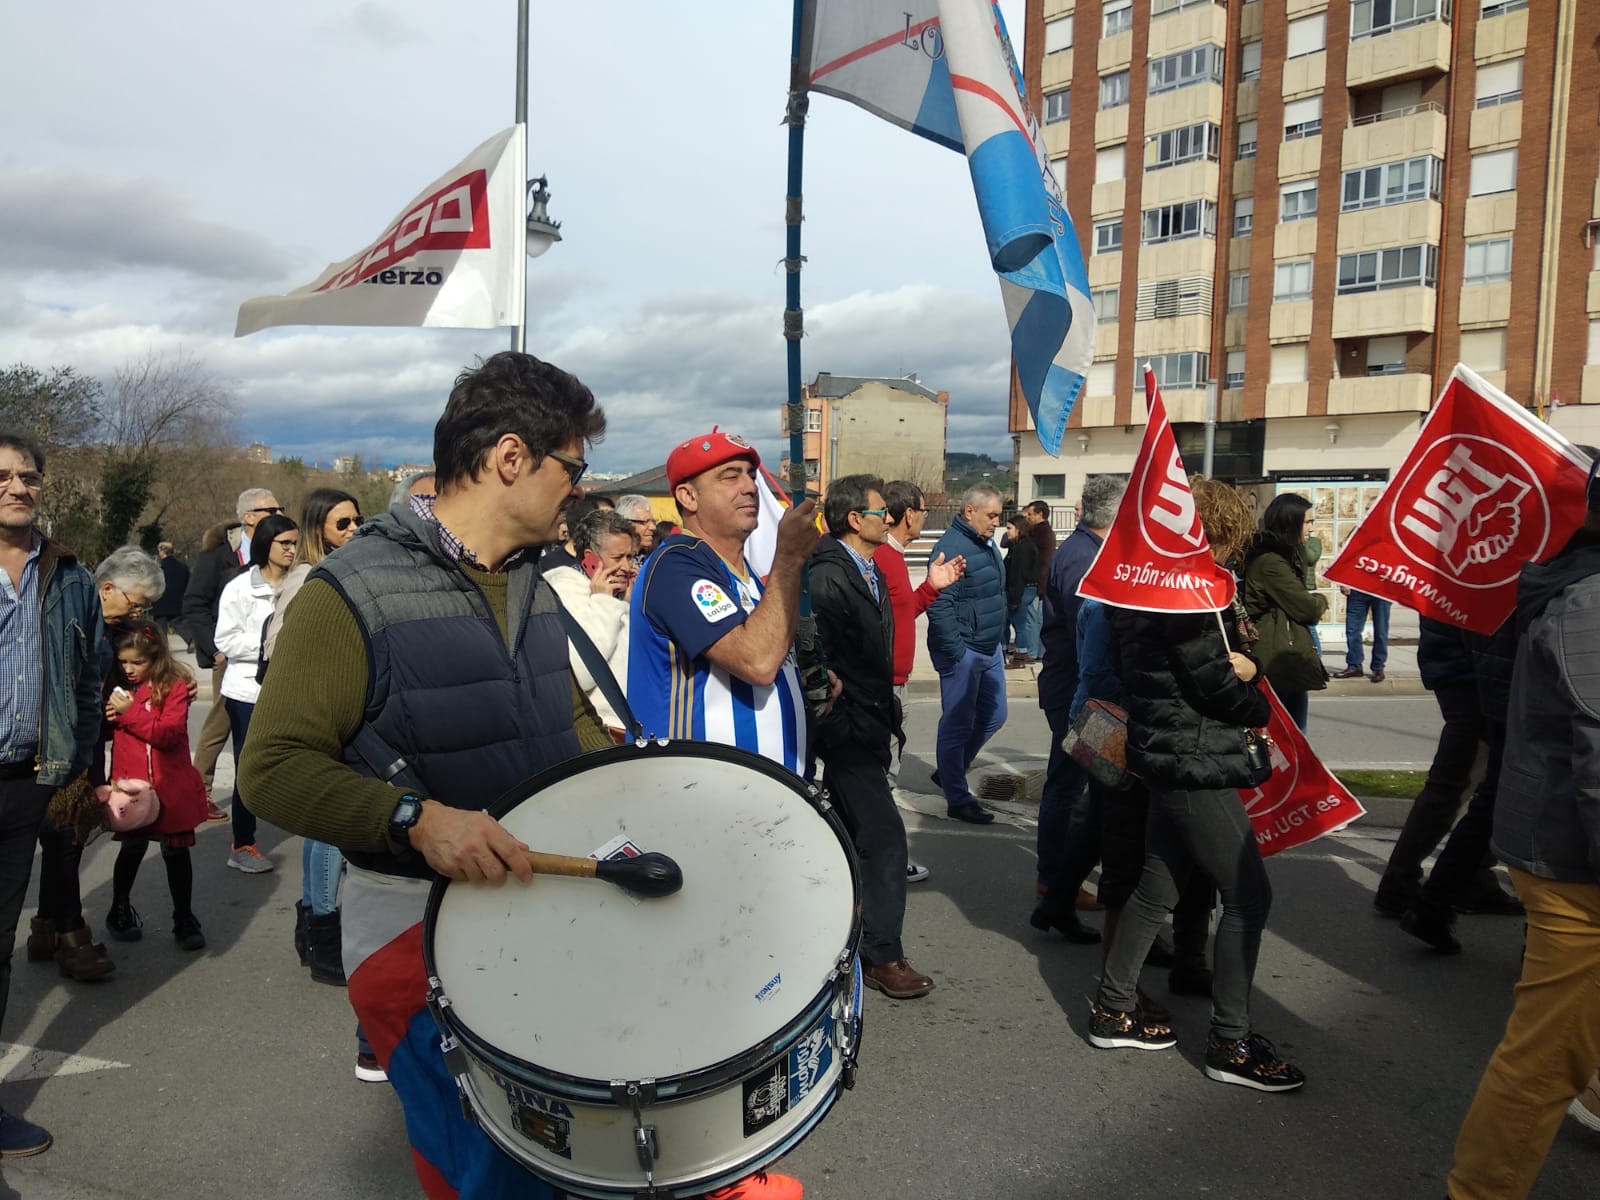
[
  {"x": 321, "y": 865},
  {"x": 1026, "y": 620},
  {"x": 244, "y": 821},
  {"x": 1060, "y": 802},
  {"x": 1298, "y": 706},
  {"x": 1357, "y": 606},
  {"x": 972, "y": 697}
]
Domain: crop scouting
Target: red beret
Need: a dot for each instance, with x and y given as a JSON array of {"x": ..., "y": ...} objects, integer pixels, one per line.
[{"x": 702, "y": 453}]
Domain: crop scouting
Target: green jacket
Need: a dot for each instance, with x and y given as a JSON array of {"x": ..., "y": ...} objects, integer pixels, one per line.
[{"x": 1277, "y": 600}]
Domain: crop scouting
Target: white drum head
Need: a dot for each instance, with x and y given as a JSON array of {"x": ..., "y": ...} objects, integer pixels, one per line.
[{"x": 583, "y": 980}]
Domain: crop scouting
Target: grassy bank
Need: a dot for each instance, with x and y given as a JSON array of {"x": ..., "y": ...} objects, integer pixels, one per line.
[{"x": 1403, "y": 785}]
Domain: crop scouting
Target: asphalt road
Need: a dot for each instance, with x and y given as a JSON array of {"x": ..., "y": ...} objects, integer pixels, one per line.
[{"x": 232, "y": 1072}]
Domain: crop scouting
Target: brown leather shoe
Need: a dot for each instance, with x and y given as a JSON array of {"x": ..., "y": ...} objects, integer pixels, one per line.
[
  {"x": 1348, "y": 673},
  {"x": 41, "y": 940},
  {"x": 1088, "y": 901},
  {"x": 897, "y": 980},
  {"x": 82, "y": 958}
]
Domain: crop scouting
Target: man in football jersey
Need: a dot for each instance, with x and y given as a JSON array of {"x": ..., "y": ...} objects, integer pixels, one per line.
[{"x": 711, "y": 645}]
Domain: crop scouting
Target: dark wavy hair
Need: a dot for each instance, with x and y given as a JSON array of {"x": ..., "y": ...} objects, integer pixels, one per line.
[
  {"x": 510, "y": 393},
  {"x": 1285, "y": 520},
  {"x": 24, "y": 445},
  {"x": 314, "y": 510},
  {"x": 268, "y": 529},
  {"x": 899, "y": 497},
  {"x": 846, "y": 495}
]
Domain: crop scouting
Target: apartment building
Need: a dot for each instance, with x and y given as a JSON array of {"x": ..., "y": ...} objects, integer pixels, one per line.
[
  {"x": 892, "y": 427},
  {"x": 1314, "y": 209}
]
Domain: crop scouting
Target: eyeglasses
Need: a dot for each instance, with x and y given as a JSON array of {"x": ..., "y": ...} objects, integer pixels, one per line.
[
  {"x": 32, "y": 480},
  {"x": 134, "y": 607},
  {"x": 275, "y": 510},
  {"x": 872, "y": 512},
  {"x": 575, "y": 466},
  {"x": 344, "y": 523},
  {"x": 647, "y": 522},
  {"x": 286, "y": 543}
]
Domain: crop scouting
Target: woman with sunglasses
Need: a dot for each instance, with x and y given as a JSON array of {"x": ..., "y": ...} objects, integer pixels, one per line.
[
  {"x": 328, "y": 519},
  {"x": 242, "y": 613}
]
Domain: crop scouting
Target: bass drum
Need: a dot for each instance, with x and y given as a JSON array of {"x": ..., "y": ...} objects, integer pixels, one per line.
[{"x": 623, "y": 1047}]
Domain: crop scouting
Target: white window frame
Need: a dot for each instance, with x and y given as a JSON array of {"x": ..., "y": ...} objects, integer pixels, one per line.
[
  {"x": 1178, "y": 222},
  {"x": 1238, "y": 291},
  {"x": 1374, "y": 18},
  {"x": 1116, "y": 85},
  {"x": 1058, "y": 35},
  {"x": 1233, "y": 370},
  {"x": 1297, "y": 201},
  {"x": 1185, "y": 68},
  {"x": 1110, "y": 163},
  {"x": 1057, "y": 106},
  {"x": 1505, "y": 78},
  {"x": 1245, "y": 140},
  {"x": 1307, "y": 35},
  {"x": 1107, "y": 303},
  {"x": 1302, "y": 118},
  {"x": 1249, "y": 61},
  {"x": 1391, "y": 267},
  {"x": 1398, "y": 182},
  {"x": 1108, "y": 236},
  {"x": 1496, "y": 8},
  {"x": 1483, "y": 179},
  {"x": 1486, "y": 260},
  {"x": 1290, "y": 363},
  {"x": 813, "y": 420},
  {"x": 1185, "y": 369},
  {"x": 1291, "y": 281},
  {"x": 1116, "y": 17},
  {"x": 1101, "y": 379},
  {"x": 1188, "y": 143},
  {"x": 1244, "y": 216}
]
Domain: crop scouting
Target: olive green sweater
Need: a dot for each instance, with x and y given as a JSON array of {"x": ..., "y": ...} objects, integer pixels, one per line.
[{"x": 312, "y": 702}]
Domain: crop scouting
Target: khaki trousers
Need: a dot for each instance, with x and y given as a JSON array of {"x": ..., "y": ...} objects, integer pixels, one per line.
[
  {"x": 214, "y": 733},
  {"x": 1549, "y": 1049}
]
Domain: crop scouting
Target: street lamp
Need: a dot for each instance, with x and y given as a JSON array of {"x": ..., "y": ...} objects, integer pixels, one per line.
[{"x": 542, "y": 231}]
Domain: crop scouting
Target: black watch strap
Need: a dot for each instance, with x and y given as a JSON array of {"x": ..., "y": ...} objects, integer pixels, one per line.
[{"x": 407, "y": 811}]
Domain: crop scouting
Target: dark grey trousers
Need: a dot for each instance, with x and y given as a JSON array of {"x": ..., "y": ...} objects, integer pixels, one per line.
[{"x": 22, "y": 806}]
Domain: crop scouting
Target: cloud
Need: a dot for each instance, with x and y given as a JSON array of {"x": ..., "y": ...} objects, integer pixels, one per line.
[
  {"x": 70, "y": 222},
  {"x": 375, "y": 26}
]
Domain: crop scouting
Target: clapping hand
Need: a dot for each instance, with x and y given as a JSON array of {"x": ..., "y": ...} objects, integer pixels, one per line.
[{"x": 943, "y": 572}]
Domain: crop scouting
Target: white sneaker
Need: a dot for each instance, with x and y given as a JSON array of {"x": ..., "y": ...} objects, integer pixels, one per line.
[
  {"x": 1586, "y": 1108},
  {"x": 915, "y": 872}
]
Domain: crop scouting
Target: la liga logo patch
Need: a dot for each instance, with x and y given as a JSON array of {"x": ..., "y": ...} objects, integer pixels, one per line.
[{"x": 714, "y": 603}]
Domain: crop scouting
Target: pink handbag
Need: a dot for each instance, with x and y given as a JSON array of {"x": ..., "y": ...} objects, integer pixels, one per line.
[{"x": 131, "y": 804}]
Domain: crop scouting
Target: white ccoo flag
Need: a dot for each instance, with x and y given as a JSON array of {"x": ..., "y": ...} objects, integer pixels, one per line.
[{"x": 450, "y": 259}]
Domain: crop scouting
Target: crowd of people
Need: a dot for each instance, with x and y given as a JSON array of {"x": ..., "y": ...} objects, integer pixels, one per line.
[{"x": 379, "y": 676}]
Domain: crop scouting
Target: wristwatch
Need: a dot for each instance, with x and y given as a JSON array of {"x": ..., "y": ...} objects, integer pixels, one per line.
[{"x": 407, "y": 811}]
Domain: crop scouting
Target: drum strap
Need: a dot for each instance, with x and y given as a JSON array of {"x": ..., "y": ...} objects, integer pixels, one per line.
[{"x": 594, "y": 662}]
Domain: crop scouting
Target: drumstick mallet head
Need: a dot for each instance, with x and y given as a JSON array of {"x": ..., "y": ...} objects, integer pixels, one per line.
[{"x": 649, "y": 875}]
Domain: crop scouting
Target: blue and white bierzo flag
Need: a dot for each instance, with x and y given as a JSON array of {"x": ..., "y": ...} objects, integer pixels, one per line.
[{"x": 944, "y": 69}]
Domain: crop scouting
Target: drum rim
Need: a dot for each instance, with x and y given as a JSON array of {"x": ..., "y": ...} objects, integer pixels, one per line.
[{"x": 702, "y": 1079}]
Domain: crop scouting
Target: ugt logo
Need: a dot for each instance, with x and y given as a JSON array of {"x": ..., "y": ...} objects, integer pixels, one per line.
[
  {"x": 1167, "y": 515},
  {"x": 1473, "y": 506}
]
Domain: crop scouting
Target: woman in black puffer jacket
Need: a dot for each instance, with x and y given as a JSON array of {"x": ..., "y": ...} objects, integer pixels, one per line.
[{"x": 1190, "y": 697}]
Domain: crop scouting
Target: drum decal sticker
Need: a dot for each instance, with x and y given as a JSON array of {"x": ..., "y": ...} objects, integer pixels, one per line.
[
  {"x": 542, "y": 1120},
  {"x": 713, "y": 601},
  {"x": 770, "y": 988},
  {"x": 809, "y": 1060},
  {"x": 766, "y": 1098}
]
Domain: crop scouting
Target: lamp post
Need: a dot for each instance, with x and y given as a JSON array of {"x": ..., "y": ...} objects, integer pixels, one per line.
[{"x": 542, "y": 231}]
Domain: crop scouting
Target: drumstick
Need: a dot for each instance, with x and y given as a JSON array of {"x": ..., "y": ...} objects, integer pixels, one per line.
[{"x": 646, "y": 875}]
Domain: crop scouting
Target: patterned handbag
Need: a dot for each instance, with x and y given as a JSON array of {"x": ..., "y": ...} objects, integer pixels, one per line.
[{"x": 1097, "y": 741}]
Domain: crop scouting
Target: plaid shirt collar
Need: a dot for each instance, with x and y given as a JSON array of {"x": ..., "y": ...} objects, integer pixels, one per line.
[{"x": 453, "y": 547}]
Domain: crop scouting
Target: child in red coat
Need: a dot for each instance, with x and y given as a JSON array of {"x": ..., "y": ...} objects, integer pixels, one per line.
[{"x": 150, "y": 740}]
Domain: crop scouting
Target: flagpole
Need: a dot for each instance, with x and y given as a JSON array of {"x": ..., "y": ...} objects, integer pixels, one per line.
[
  {"x": 519, "y": 332},
  {"x": 793, "y": 317}
]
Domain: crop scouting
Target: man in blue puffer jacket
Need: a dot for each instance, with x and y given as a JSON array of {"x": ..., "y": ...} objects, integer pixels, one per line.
[{"x": 967, "y": 642}]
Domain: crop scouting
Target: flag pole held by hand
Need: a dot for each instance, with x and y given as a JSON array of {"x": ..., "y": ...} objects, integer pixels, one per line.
[{"x": 649, "y": 875}]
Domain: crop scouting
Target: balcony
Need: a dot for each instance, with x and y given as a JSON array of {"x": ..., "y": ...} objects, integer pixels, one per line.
[
  {"x": 1379, "y": 394},
  {"x": 1301, "y": 158},
  {"x": 1305, "y": 75},
  {"x": 1294, "y": 239},
  {"x": 1288, "y": 399},
  {"x": 1374, "y": 314},
  {"x": 1389, "y": 136},
  {"x": 1107, "y": 198},
  {"x": 1188, "y": 26},
  {"x": 1491, "y": 128},
  {"x": 1056, "y": 71},
  {"x": 1489, "y": 215},
  {"x": 1489, "y": 304},
  {"x": 1410, "y": 52},
  {"x": 1502, "y": 35},
  {"x": 1389, "y": 224},
  {"x": 1185, "y": 106},
  {"x": 1111, "y": 126},
  {"x": 1115, "y": 52},
  {"x": 1290, "y": 322},
  {"x": 1187, "y": 181}
]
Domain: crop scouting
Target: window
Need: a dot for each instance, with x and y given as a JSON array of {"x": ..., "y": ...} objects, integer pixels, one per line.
[
  {"x": 1186, "y": 297},
  {"x": 1187, "y": 370},
  {"x": 1386, "y": 355},
  {"x": 1238, "y": 291},
  {"x": 1307, "y": 35},
  {"x": 1393, "y": 183},
  {"x": 1249, "y": 62},
  {"x": 1493, "y": 172},
  {"x": 1108, "y": 163},
  {"x": 1379, "y": 270},
  {"x": 1108, "y": 236},
  {"x": 1499, "y": 83},
  {"x": 1298, "y": 201},
  {"x": 1289, "y": 363},
  {"x": 1107, "y": 303},
  {"x": 1188, "y": 144},
  {"x": 1302, "y": 118},
  {"x": 1058, "y": 35},
  {"x": 1162, "y": 7},
  {"x": 1369, "y": 18},
  {"x": 1484, "y": 349},
  {"x": 1246, "y": 147},
  {"x": 1117, "y": 17},
  {"x": 1244, "y": 216},
  {"x": 1235, "y": 370},
  {"x": 1292, "y": 280},
  {"x": 813, "y": 420},
  {"x": 812, "y": 468},
  {"x": 1101, "y": 379},
  {"x": 1201, "y": 64},
  {"x": 1057, "y": 106},
  {"x": 1172, "y": 222},
  {"x": 1493, "y": 8},
  {"x": 1487, "y": 262},
  {"x": 1058, "y": 168},
  {"x": 1113, "y": 90},
  {"x": 1049, "y": 487}
]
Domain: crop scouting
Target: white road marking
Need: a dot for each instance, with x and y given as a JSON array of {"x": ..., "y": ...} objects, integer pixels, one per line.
[{"x": 18, "y": 1062}]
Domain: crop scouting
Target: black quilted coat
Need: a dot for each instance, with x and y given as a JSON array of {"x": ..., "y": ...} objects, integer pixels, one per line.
[{"x": 1187, "y": 710}]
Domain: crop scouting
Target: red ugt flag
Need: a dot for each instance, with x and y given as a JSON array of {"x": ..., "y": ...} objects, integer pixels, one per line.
[
  {"x": 1155, "y": 556},
  {"x": 1485, "y": 490},
  {"x": 1303, "y": 799}
]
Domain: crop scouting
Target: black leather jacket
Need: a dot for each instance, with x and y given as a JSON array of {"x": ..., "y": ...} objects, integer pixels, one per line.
[{"x": 857, "y": 636}]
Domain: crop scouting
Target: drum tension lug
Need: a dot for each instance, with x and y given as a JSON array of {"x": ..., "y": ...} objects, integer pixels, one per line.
[{"x": 638, "y": 1095}]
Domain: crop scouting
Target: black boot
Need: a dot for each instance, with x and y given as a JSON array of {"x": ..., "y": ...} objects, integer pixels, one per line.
[
  {"x": 324, "y": 953},
  {"x": 1059, "y": 912},
  {"x": 302, "y": 914}
]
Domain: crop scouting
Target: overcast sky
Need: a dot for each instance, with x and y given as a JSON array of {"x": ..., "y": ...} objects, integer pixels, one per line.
[{"x": 162, "y": 162}]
